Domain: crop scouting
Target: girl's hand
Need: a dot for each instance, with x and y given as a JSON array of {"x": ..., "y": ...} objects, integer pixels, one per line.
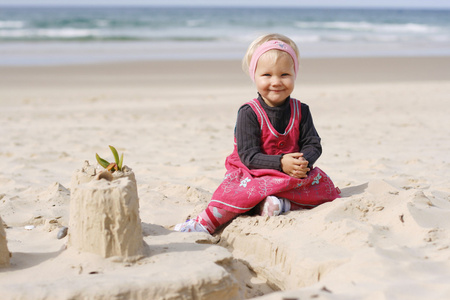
[{"x": 295, "y": 165}]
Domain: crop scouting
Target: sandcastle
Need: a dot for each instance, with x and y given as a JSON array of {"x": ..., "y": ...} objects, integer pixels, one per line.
[
  {"x": 104, "y": 213},
  {"x": 4, "y": 252}
]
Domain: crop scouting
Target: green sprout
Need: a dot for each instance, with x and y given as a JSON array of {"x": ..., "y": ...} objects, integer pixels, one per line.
[{"x": 115, "y": 166}]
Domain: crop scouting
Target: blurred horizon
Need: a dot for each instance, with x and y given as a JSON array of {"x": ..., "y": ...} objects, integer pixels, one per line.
[
  {"x": 219, "y": 6},
  {"x": 336, "y": 4},
  {"x": 62, "y": 34}
]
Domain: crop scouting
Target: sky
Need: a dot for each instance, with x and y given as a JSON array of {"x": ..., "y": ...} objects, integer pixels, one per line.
[{"x": 259, "y": 3}]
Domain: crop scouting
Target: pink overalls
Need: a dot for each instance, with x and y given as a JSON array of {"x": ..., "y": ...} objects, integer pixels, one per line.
[{"x": 242, "y": 188}]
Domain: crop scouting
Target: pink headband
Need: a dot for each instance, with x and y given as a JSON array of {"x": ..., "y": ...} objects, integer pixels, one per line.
[{"x": 271, "y": 45}]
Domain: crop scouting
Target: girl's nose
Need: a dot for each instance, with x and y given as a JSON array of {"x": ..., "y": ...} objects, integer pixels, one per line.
[{"x": 275, "y": 80}]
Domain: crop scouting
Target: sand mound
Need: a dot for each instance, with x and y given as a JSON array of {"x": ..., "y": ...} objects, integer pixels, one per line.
[
  {"x": 4, "y": 252},
  {"x": 402, "y": 231},
  {"x": 104, "y": 215}
]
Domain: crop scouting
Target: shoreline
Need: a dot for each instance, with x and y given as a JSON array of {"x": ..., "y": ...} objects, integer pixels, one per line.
[{"x": 312, "y": 71}]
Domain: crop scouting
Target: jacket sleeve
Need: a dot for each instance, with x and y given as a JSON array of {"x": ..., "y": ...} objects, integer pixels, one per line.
[{"x": 309, "y": 141}]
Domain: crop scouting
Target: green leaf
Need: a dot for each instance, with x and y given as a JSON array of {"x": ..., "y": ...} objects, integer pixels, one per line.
[
  {"x": 119, "y": 165},
  {"x": 101, "y": 161},
  {"x": 116, "y": 155}
]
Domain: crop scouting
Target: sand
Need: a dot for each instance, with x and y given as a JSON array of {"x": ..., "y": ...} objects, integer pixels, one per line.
[{"x": 384, "y": 129}]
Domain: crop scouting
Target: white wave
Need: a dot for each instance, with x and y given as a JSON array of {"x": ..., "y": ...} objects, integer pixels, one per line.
[
  {"x": 371, "y": 27},
  {"x": 194, "y": 23},
  {"x": 102, "y": 23},
  {"x": 406, "y": 28},
  {"x": 47, "y": 33},
  {"x": 65, "y": 33},
  {"x": 14, "y": 33},
  {"x": 12, "y": 24}
]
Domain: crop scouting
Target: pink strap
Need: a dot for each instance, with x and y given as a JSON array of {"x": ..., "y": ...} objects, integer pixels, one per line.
[{"x": 271, "y": 45}]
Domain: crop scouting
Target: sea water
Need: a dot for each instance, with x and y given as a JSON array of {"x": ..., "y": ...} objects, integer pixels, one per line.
[{"x": 66, "y": 35}]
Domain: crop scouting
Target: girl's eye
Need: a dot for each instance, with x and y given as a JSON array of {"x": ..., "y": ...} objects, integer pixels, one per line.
[
  {"x": 266, "y": 74},
  {"x": 285, "y": 74}
]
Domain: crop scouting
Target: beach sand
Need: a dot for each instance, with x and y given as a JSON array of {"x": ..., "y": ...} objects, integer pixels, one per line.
[{"x": 384, "y": 128}]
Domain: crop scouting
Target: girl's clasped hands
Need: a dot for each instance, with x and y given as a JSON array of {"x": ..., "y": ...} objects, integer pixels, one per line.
[{"x": 295, "y": 165}]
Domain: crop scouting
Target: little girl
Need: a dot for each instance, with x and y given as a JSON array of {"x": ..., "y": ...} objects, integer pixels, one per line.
[{"x": 276, "y": 145}]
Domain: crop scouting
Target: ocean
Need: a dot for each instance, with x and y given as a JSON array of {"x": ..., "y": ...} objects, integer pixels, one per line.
[{"x": 66, "y": 35}]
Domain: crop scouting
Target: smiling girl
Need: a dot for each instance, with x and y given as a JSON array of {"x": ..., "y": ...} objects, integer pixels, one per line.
[{"x": 271, "y": 168}]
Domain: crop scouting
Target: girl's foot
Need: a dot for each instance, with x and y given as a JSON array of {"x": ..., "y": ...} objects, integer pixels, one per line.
[
  {"x": 190, "y": 226},
  {"x": 274, "y": 206}
]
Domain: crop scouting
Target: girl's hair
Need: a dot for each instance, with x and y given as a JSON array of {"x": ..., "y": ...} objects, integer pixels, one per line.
[{"x": 261, "y": 40}]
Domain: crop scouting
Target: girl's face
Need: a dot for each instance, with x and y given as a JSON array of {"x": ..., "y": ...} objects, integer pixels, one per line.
[{"x": 274, "y": 78}]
